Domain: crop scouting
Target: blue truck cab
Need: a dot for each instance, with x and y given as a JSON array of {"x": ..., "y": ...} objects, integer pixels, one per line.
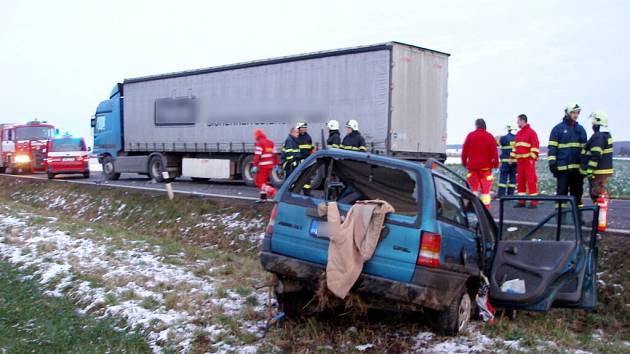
[
  {"x": 436, "y": 248},
  {"x": 107, "y": 125}
]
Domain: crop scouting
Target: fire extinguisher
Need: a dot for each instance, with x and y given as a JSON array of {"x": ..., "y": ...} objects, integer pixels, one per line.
[{"x": 602, "y": 202}]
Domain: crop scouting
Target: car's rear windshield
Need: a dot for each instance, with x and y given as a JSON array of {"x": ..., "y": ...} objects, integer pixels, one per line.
[
  {"x": 67, "y": 144},
  {"x": 359, "y": 180}
]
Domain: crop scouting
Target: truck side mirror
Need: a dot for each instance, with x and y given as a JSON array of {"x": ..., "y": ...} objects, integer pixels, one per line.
[{"x": 93, "y": 122}]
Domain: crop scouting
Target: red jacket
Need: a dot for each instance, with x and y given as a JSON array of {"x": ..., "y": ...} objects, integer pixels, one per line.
[
  {"x": 480, "y": 151},
  {"x": 526, "y": 145},
  {"x": 264, "y": 152}
]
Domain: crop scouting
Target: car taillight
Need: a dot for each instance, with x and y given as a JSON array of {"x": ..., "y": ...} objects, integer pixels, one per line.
[
  {"x": 429, "y": 255},
  {"x": 272, "y": 220}
]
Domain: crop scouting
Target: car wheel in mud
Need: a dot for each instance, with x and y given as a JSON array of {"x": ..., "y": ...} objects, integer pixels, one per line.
[
  {"x": 456, "y": 317},
  {"x": 292, "y": 304},
  {"x": 109, "y": 171}
]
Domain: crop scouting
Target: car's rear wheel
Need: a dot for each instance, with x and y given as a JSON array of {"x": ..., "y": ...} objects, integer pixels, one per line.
[
  {"x": 456, "y": 317},
  {"x": 51, "y": 175},
  {"x": 109, "y": 171},
  {"x": 86, "y": 174},
  {"x": 293, "y": 303}
]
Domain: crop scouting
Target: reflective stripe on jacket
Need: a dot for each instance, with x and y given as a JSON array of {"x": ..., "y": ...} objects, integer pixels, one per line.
[
  {"x": 526, "y": 145},
  {"x": 264, "y": 153},
  {"x": 305, "y": 145},
  {"x": 354, "y": 141},
  {"x": 290, "y": 152},
  {"x": 565, "y": 144},
  {"x": 506, "y": 144},
  {"x": 597, "y": 156},
  {"x": 334, "y": 139}
]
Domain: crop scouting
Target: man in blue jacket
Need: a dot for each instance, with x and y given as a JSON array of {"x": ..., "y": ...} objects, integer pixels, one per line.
[
  {"x": 564, "y": 150},
  {"x": 507, "y": 172}
]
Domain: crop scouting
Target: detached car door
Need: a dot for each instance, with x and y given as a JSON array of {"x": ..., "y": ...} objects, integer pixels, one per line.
[{"x": 541, "y": 258}]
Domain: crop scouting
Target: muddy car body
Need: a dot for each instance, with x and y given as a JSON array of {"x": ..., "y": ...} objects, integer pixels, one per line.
[{"x": 434, "y": 248}]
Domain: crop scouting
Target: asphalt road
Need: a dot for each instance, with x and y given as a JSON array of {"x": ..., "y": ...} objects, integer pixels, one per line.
[{"x": 618, "y": 218}]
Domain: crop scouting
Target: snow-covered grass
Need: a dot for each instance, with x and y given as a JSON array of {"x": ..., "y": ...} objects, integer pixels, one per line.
[
  {"x": 186, "y": 274},
  {"x": 170, "y": 305}
]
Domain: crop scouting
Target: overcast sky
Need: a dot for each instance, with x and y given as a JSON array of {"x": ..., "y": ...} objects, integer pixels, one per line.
[{"x": 58, "y": 59}]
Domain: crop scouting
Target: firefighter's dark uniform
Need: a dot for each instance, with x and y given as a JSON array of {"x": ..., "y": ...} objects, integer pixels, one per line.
[
  {"x": 354, "y": 141},
  {"x": 507, "y": 171},
  {"x": 597, "y": 163},
  {"x": 290, "y": 157},
  {"x": 334, "y": 139},
  {"x": 305, "y": 145},
  {"x": 565, "y": 145}
]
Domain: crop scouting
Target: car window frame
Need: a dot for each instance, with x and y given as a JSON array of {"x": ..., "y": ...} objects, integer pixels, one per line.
[
  {"x": 456, "y": 186},
  {"x": 308, "y": 201}
]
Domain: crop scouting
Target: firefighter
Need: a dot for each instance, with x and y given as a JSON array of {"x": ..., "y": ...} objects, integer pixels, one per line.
[
  {"x": 305, "y": 142},
  {"x": 565, "y": 145},
  {"x": 291, "y": 157},
  {"x": 479, "y": 156},
  {"x": 525, "y": 152},
  {"x": 353, "y": 139},
  {"x": 597, "y": 157},
  {"x": 334, "y": 138},
  {"x": 507, "y": 176},
  {"x": 265, "y": 159}
]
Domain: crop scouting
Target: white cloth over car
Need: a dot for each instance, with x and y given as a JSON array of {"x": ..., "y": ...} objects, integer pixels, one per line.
[{"x": 352, "y": 242}]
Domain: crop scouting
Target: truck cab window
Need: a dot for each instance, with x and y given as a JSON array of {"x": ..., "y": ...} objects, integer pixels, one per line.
[{"x": 100, "y": 123}]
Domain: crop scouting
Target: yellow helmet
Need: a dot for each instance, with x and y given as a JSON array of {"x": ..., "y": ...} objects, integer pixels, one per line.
[{"x": 599, "y": 118}]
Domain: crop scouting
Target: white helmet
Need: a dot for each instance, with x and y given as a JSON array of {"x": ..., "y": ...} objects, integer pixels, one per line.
[
  {"x": 333, "y": 124},
  {"x": 301, "y": 125},
  {"x": 599, "y": 118},
  {"x": 572, "y": 107},
  {"x": 509, "y": 127},
  {"x": 352, "y": 124}
]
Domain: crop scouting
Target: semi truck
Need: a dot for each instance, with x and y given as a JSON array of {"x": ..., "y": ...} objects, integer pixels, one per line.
[
  {"x": 200, "y": 123},
  {"x": 23, "y": 146}
]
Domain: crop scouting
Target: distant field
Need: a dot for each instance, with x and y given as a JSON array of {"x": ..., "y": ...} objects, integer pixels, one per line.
[{"x": 618, "y": 186}]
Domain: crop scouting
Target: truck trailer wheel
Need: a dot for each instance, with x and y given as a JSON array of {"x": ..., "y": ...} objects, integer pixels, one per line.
[
  {"x": 455, "y": 318},
  {"x": 109, "y": 171},
  {"x": 277, "y": 179},
  {"x": 156, "y": 167},
  {"x": 246, "y": 170}
]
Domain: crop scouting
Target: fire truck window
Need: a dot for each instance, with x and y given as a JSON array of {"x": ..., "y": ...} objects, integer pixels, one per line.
[{"x": 33, "y": 133}]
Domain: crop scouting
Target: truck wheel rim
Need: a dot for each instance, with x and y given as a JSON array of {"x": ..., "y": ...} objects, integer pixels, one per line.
[
  {"x": 464, "y": 313},
  {"x": 156, "y": 169}
]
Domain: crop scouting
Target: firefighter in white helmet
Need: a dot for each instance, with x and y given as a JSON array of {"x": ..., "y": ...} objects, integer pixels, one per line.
[
  {"x": 334, "y": 138},
  {"x": 597, "y": 156},
  {"x": 353, "y": 139}
]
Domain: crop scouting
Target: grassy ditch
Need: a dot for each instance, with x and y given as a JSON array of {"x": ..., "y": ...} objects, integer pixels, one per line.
[
  {"x": 32, "y": 322},
  {"x": 220, "y": 240}
]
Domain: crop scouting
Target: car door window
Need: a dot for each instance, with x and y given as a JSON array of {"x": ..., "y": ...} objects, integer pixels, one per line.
[
  {"x": 551, "y": 221},
  {"x": 449, "y": 202}
]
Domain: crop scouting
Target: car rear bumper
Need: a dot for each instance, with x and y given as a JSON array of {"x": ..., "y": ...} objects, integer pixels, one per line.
[
  {"x": 69, "y": 168},
  {"x": 436, "y": 288}
]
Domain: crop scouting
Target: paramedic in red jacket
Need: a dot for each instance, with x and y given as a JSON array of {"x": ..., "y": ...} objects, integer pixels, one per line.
[
  {"x": 479, "y": 156},
  {"x": 265, "y": 159},
  {"x": 525, "y": 152}
]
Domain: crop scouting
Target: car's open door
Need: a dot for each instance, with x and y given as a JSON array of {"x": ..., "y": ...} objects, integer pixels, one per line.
[{"x": 541, "y": 258}]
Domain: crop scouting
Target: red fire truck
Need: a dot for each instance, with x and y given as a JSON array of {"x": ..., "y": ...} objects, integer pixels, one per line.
[{"x": 24, "y": 146}]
